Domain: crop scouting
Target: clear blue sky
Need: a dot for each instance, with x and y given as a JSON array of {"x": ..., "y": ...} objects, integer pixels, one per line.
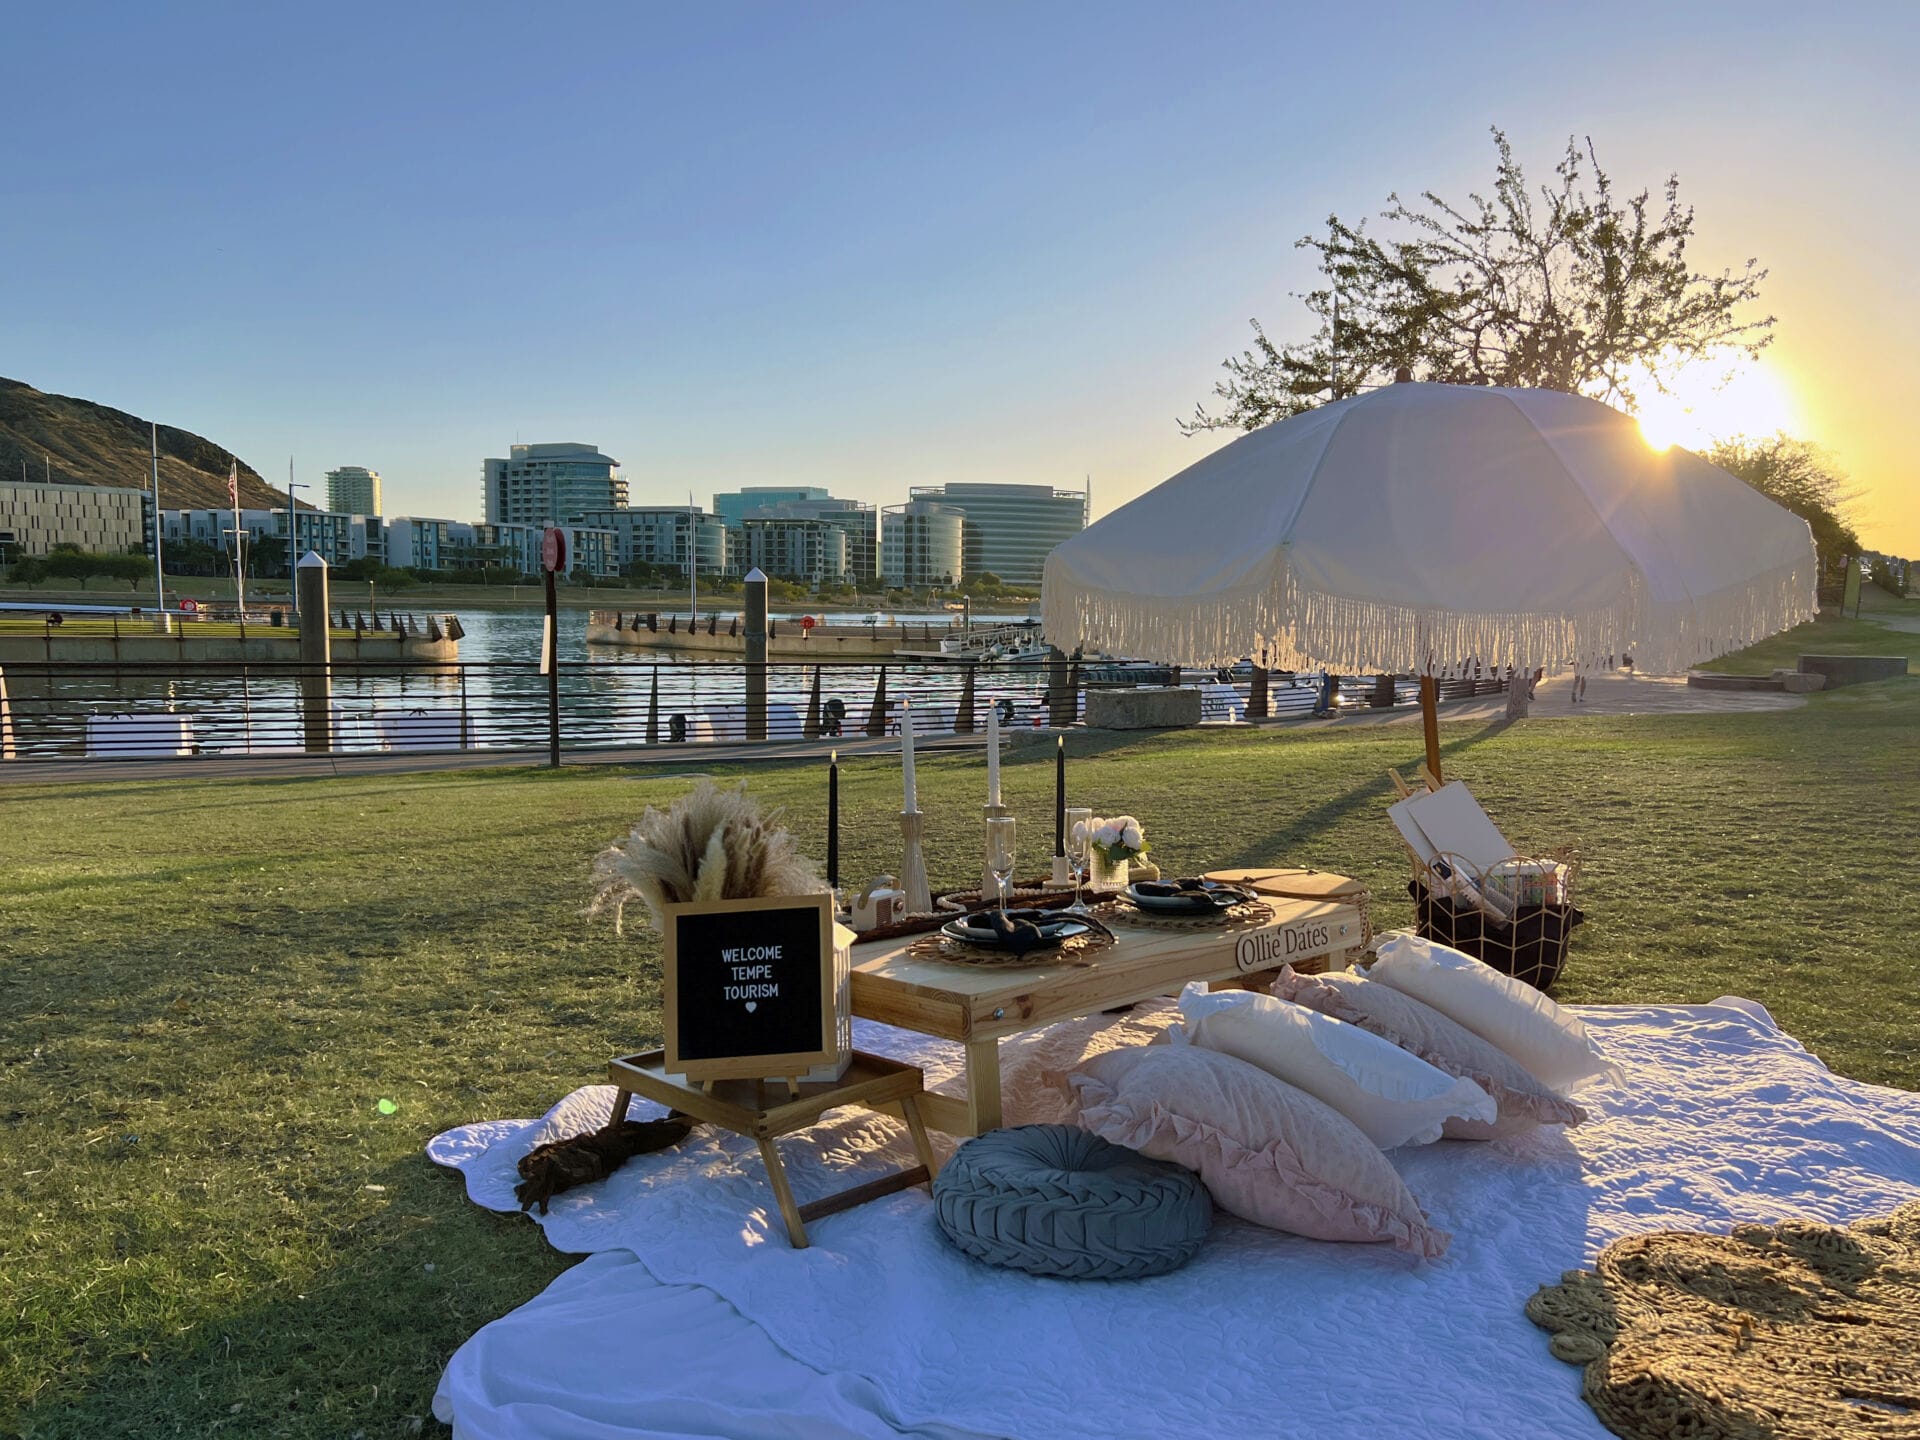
[{"x": 862, "y": 246}]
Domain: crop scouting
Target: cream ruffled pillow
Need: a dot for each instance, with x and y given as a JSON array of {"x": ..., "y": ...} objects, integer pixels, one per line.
[
  {"x": 1419, "y": 1029},
  {"x": 1507, "y": 1013},
  {"x": 1394, "y": 1097}
]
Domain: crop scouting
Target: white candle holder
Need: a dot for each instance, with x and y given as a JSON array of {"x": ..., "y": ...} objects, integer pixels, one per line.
[
  {"x": 989, "y": 887},
  {"x": 913, "y": 864}
]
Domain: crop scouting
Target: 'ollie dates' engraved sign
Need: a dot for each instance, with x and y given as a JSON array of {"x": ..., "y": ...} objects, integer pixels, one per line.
[
  {"x": 1298, "y": 940},
  {"x": 749, "y": 988}
]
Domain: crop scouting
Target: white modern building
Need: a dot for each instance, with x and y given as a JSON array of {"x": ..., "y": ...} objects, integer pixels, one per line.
[
  {"x": 354, "y": 490},
  {"x": 856, "y": 519},
  {"x": 417, "y": 542},
  {"x": 1011, "y": 529},
  {"x": 335, "y": 537},
  {"x": 811, "y": 551},
  {"x": 550, "y": 484},
  {"x": 659, "y": 535}
]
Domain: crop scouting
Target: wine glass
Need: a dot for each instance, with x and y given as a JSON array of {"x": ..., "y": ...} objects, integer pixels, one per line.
[
  {"x": 1079, "y": 822},
  {"x": 1000, "y": 855}
]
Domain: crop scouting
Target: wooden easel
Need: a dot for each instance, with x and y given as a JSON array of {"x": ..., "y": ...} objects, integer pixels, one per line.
[{"x": 751, "y": 1107}]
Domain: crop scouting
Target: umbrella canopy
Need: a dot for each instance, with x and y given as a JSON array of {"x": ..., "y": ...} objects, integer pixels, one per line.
[{"x": 1419, "y": 526}]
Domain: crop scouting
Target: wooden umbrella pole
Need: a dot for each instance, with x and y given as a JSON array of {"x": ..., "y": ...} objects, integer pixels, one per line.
[{"x": 1430, "y": 721}]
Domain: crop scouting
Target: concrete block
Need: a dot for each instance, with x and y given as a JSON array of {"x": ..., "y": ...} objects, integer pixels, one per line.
[
  {"x": 1854, "y": 669},
  {"x": 1800, "y": 684},
  {"x": 1155, "y": 709}
]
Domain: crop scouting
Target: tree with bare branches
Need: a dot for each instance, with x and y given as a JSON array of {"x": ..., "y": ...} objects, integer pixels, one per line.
[{"x": 1569, "y": 287}]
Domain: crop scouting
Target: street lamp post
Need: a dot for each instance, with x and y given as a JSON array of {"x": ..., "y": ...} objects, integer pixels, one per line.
[{"x": 293, "y": 541}]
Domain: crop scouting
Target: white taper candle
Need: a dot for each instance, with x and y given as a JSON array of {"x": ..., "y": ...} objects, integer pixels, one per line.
[
  {"x": 906, "y": 752},
  {"x": 993, "y": 754}
]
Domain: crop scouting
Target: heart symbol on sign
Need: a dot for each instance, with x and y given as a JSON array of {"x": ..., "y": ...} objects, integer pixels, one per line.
[{"x": 752, "y": 1005}]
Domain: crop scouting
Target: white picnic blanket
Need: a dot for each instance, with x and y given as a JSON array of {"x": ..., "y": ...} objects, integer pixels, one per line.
[{"x": 695, "y": 1317}]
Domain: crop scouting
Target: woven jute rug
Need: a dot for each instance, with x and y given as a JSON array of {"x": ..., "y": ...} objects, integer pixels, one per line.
[{"x": 1781, "y": 1331}]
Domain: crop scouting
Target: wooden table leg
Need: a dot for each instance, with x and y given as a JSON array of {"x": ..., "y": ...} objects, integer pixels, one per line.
[
  {"x": 983, "y": 1085},
  {"x": 916, "y": 1127},
  {"x": 777, "y": 1174},
  {"x": 621, "y": 1099}
]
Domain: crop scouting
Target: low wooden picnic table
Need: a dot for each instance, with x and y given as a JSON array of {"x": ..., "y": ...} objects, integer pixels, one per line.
[{"x": 980, "y": 1005}]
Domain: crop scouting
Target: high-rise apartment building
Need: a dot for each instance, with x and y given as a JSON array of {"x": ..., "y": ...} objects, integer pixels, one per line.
[
  {"x": 354, "y": 490},
  {"x": 1011, "y": 529},
  {"x": 550, "y": 484}
]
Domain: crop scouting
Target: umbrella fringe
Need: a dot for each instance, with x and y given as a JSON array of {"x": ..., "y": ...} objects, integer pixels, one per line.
[{"x": 1309, "y": 629}]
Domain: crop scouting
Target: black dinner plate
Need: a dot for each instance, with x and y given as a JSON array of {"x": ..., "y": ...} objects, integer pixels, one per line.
[
  {"x": 1054, "y": 928},
  {"x": 1227, "y": 895}
]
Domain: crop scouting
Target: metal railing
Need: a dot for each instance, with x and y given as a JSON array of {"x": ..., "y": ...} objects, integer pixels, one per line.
[{"x": 71, "y": 710}]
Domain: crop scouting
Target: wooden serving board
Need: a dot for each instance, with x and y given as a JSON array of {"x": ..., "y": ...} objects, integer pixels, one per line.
[{"x": 1293, "y": 884}]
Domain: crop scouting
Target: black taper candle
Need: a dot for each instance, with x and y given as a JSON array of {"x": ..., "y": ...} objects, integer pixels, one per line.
[
  {"x": 833, "y": 819},
  {"x": 1060, "y": 798}
]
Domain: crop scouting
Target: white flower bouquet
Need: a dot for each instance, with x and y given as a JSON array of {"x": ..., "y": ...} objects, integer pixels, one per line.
[{"x": 1118, "y": 840}]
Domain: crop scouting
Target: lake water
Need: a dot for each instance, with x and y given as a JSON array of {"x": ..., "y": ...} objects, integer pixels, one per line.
[{"x": 495, "y": 698}]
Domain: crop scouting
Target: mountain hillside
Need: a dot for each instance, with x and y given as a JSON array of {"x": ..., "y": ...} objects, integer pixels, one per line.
[{"x": 82, "y": 443}]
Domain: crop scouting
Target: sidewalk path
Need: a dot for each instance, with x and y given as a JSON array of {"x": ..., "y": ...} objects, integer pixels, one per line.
[{"x": 353, "y": 762}]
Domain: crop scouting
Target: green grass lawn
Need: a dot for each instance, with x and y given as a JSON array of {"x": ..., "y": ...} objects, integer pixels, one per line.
[
  {"x": 207, "y": 989},
  {"x": 1831, "y": 634}
]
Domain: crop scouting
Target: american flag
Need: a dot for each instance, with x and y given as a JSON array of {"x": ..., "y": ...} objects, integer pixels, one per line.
[{"x": 233, "y": 483}]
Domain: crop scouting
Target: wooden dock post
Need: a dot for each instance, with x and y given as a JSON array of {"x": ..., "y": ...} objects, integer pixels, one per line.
[
  {"x": 316, "y": 649},
  {"x": 756, "y": 596}
]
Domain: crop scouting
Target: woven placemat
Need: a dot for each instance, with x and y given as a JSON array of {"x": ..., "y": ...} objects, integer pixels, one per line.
[
  {"x": 1078, "y": 950},
  {"x": 1795, "y": 1331},
  {"x": 1247, "y": 915}
]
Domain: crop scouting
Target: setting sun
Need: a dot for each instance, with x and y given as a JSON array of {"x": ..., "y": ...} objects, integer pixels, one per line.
[{"x": 1715, "y": 400}]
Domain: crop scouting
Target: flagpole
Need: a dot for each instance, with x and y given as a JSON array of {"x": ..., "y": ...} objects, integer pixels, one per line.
[
  {"x": 239, "y": 562},
  {"x": 159, "y": 573}
]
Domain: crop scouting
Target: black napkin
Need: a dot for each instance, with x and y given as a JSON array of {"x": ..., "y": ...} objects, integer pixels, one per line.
[
  {"x": 1013, "y": 930},
  {"x": 1198, "y": 890}
]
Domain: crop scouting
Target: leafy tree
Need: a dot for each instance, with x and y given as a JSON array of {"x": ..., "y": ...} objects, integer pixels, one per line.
[
  {"x": 187, "y": 556},
  {"x": 66, "y": 561},
  {"x": 1803, "y": 478},
  {"x": 1568, "y": 288}
]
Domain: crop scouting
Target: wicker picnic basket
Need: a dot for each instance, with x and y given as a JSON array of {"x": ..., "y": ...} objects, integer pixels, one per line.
[{"x": 1531, "y": 942}]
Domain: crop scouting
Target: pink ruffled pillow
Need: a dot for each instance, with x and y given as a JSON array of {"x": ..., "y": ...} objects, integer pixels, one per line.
[
  {"x": 1416, "y": 1027},
  {"x": 1268, "y": 1152}
]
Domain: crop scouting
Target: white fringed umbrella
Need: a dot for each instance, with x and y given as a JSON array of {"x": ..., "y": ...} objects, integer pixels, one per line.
[{"x": 1419, "y": 527}]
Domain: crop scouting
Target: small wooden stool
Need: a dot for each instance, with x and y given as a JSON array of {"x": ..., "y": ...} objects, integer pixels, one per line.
[{"x": 768, "y": 1109}]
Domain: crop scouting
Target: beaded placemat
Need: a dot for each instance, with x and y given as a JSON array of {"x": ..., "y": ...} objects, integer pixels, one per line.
[{"x": 1247, "y": 915}]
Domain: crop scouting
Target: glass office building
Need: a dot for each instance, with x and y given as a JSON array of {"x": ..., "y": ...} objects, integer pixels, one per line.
[
  {"x": 921, "y": 544},
  {"x": 1010, "y": 529}
]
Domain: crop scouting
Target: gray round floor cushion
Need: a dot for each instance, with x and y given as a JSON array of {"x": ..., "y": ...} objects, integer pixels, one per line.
[{"x": 1055, "y": 1200}]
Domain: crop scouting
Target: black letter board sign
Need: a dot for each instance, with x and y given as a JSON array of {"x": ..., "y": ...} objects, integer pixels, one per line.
[{"x": 749, "y": 988}]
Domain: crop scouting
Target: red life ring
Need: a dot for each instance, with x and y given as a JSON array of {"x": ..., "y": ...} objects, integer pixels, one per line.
[
  {"x": 189, "y": 604},
  {"x": 807, "y": 622}
]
